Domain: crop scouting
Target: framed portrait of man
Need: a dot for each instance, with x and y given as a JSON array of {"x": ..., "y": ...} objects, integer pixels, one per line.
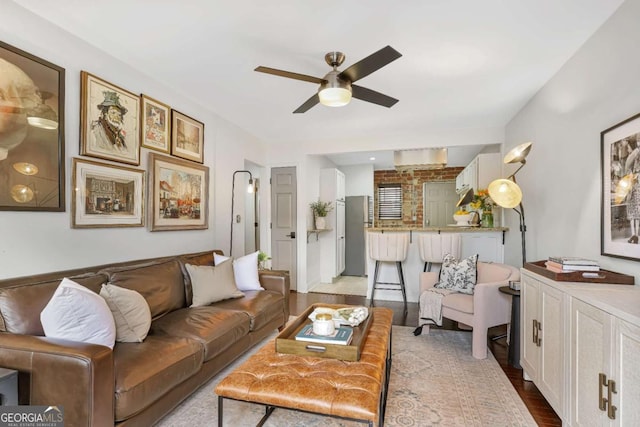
[{"x": 110, "y": 121}]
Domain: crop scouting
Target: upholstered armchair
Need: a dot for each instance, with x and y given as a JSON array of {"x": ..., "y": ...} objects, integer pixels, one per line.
[{"x": 487, "y": 306}]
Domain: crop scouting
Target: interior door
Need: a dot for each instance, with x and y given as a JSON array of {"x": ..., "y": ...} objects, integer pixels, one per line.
[
  {"x": 283, "y": 221},
  {"x": 439, "y": 201}
]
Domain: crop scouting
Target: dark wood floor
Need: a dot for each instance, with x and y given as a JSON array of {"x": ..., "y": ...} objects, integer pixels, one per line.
[{"x": 543, "y": 414}]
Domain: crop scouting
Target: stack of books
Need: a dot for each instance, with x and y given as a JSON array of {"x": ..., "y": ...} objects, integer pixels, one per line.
[
  {"x": 341, "y": 336},
  {"x": 568, "y": 264}
]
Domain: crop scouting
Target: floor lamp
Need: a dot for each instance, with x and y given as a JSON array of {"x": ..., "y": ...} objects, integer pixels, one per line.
[
  {"x": 507, "y": 194},
  {"x": 233, "y": 193}
]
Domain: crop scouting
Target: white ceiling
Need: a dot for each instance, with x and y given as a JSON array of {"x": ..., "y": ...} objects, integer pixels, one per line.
[{"x": 465, "y": 64}]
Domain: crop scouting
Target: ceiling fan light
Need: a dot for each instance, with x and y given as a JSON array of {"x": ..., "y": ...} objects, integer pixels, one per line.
[{"x": 335, "y": 96}]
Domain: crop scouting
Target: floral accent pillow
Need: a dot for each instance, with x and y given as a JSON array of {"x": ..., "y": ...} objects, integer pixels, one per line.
[{"x": 459, "y": 276}]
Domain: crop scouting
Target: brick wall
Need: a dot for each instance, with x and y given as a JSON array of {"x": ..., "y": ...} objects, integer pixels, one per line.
[{"x": 411, "y": 182}]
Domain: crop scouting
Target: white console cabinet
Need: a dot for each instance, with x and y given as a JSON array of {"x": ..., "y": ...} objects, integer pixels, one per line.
[
  {"x": 542, "y": 339},
  {"x": 580, "y": 345},
  {"x": 605, "y": 359}
]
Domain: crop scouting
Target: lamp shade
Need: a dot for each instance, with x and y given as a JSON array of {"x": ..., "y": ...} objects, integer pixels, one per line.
[
  {"x": 505, "y": 193},
  {"x": 466, "y": 198},
  {"x": 518, "y": 154}
]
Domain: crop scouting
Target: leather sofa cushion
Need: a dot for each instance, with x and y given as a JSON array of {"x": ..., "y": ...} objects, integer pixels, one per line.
[
  {"x": 459, "y": 302},
  {"x": 146, "y": 371},
  {"x": 215, "y": 329},
  {"x": 261, "y": 307},
  {"x": 20, "y": 306},
  {"x": 160, "y": 283}
]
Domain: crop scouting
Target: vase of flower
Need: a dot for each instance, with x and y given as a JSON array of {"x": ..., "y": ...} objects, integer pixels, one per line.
[
  {"x": 321, "y": 222},
  {"x": 487, "y": 219}
]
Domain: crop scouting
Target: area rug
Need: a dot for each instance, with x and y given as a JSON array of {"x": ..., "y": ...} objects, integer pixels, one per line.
[{"x": 434, "y": 382}]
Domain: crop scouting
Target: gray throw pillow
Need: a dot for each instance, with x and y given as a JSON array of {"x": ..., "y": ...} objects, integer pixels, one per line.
[
  {"x": 459, "y": 276},
  {"x": 211, "y": 284}
]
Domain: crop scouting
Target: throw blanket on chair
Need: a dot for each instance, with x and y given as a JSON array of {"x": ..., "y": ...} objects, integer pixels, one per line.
[{"x": 431, "y": 308}]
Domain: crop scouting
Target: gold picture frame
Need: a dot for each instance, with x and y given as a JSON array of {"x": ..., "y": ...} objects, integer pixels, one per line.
[
  {"x": 32, "y": 167},
  {"x": 178, "y": 194},
  {"x": 106, "y": 195},
  {"x": 187, "y": 137},
  {"x": 155, "y": 125},
  {"x": 109, "y": 121}
]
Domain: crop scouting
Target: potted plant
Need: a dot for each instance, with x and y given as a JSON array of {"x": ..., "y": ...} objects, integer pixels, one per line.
[
  {"x": 262, "y": 259},
  {"x": 320, "y": 210}
]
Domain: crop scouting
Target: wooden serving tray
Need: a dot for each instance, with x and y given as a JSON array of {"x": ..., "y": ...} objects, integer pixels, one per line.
[
  {"x": 607, "y": 277},
  {"x": 286, "y": 341}
]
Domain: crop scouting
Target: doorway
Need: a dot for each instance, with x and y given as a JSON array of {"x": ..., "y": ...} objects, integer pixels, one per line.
[
  {"x": 284, "y": 221},
  {"x": 439, "y": 203}
]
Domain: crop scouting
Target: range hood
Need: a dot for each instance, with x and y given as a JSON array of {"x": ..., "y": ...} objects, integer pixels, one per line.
[{"x": 420, "y": 159}]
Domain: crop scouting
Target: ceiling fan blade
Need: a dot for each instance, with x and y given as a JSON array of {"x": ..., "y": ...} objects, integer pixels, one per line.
[
  {"x": 372, "y": 96},
  {"x": 308, "y": 104},
  {"x": 289, "y": 74},
  {"x": 371, "y": 63}
]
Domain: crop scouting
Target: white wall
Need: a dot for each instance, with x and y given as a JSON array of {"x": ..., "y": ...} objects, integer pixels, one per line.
[
  {"x": 561, "y": 182},
  {"x": 359, "y": 180},
  {"x": 33, "y": 242}
]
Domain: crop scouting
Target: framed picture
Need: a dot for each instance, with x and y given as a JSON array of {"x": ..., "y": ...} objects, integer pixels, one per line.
[
  {"x": 109, "y": 120},
  {"x": 155, "y": 125},
  {"x": 621, "y": 190},
  {"x": 187, "y": 137},
  {"x": 179, "y": 194},
  {"x": 106, "y": 195},
  {"x": 32, "y": 168}
]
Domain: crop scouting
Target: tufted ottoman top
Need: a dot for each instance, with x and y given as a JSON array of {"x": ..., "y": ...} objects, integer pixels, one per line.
[{"x": 325, "y": 386}]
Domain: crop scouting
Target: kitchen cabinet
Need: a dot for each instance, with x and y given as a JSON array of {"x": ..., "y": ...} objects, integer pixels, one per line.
[
  {"x": 605, "y": 355},
  {"x": 542, "y": 339},
  {"x": 478, "y": 174},
  {"x": 580, "y": 345},
  {"x": 332, "y": 188}
]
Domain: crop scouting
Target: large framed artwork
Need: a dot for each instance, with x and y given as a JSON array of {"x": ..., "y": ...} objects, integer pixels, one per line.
[
  {"x": 155, "y": 125},
  {"x": 106, "y": 195},
  {"x": 620, "y": 153},
  {"x": 187, "y": 137},
  {"x": 109, "y": 121},
  {"x": 32, "y": 168},
  {"x": 179, "y": 194}
]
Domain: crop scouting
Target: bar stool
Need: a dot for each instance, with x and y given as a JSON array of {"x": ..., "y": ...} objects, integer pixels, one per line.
[
  {"x": 433, "y": 247},
  {"x": 389, "y": 247}
]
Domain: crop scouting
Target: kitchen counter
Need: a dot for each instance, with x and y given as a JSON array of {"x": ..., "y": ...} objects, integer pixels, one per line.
[
  {"x": 448, "y": 228},
  {"x": 488, "y": 243}
]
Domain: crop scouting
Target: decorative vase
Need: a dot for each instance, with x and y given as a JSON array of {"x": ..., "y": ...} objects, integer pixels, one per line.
[
  {"x": 487, "y": 219},
  {"x": 321, "y": 223}
]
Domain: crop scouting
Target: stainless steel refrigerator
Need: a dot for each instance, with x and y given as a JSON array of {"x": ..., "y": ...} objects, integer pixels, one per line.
[{"x": 357, "y": 219}]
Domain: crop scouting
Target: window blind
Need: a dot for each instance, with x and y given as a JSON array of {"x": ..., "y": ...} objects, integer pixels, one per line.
[{"x": 390, "y": 201}]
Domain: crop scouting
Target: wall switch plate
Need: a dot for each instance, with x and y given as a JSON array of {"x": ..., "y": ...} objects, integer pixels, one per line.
[{"x": 238, "y": 218}]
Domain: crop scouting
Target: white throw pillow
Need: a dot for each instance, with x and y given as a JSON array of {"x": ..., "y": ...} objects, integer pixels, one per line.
[
  {"x": 130, "y": 311},
  {"x": 457, "y": 275},
  {"x": 78, "y": 314},
  {"x": 245, "y": 270},
  {"x": 211, "y": 284}
]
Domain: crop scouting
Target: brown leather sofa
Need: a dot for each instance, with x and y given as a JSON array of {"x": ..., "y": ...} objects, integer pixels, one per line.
[{"x": 135, "y": 383}]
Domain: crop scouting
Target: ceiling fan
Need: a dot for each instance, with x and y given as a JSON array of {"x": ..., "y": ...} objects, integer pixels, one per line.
[{"x": 337, "y": 88}]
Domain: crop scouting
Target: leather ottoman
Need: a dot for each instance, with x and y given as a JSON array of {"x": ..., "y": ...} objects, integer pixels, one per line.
[{"x": 349, "y": 390}]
